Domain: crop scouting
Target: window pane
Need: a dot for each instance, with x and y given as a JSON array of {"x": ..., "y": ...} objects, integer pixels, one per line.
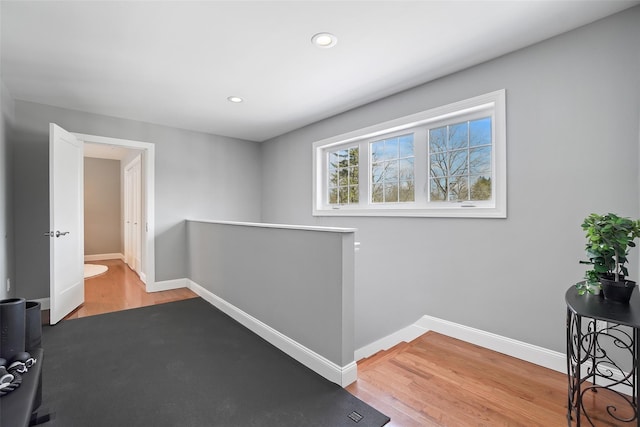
[
  {"x": 458, "y": 166},
  {"x": 458, "y": 188},
  {"x": 480, "y": 132},
  {"x": 406, "y": 169},
  {"x": 391, "y": 149},
  {"x": 406, "y": 146},
  {"x": 354, "y": 176},
  {"x": 438, "y": 189},
  {"x": 353, "y": 194},
  {"x": 438, "y": 165},
  {"x": 377, "y": 195},
  {"x": 334, "y": 159},
  {"x": 343, "y": 195},
  {"x": 391, "y": 192},
  {"x": 480, "y": 187},
  {"x": 333, "y": 196},
  {"x": 343, "y": 158},
  {"x": 391, "y": 171},
  {"x": 480, "y": 161},
  {"x": 353, "y": 156},
  {"x": 333, "y": 178},
  {"x": 394, "y": 162},
  {"x": 344, "y": 177},
  {"x": 377, "y": 151},
  {"x": 457, "y": 162},
  {"x": 437, "y": 139},
  {"x": 377, "y": 172},
  {"x": 458, "y": 136},
  {"x": 407, "y": 192},
  {"x": 342, "y": 173}
]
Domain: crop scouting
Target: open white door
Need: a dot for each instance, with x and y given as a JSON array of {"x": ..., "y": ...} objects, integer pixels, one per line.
[{"x": 66, "y": 222}]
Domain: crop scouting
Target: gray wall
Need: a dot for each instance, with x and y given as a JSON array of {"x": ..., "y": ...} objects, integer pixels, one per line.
[
  {"x": 194, "y": 178},
  {"x": 6, "y": 215},
  {"x": 299, "y": 282},
  {"x": 102, "y": 207},
  {"x": 573, "y": 108}
]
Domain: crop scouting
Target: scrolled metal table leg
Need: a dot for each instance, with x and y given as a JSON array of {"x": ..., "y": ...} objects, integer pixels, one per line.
[{"x": 573, "y": 367}]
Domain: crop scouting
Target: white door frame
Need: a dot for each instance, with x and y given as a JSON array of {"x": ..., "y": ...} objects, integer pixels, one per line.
[{"x": 148, "y": 267}]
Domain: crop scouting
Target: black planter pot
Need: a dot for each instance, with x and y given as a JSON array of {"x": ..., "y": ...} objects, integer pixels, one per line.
[
  {"x": 33, "y": 326},
  {"x": 12, "y": 319},
  {"x": 618, "y": 291},
  {"x": 611, "y": 277}
]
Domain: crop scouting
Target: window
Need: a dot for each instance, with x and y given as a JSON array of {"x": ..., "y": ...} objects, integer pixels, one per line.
[
  {"x": 460, "y": 161},
  {"x": 343, "y": 176},
  {"x": 392, "y": 171},
  {"x": 448, "y": 161}
]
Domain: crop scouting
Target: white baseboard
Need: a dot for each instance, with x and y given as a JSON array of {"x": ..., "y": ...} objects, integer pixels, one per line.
[
  {"x": 341, "y": 375},
  {"x": 100, "y": 257},
  {"x": 518, "y": 349},
  {"x": 167, "y": 285},
  {"x": 407, "y": 334},
  {"x": 521, "y": 350}
]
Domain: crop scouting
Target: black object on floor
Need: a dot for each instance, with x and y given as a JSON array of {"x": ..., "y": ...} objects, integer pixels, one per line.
[{"x": 184, "y": 363}]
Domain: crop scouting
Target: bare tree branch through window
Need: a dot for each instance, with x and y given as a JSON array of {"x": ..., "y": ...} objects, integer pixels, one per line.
[{"x": 460, "y": 161}]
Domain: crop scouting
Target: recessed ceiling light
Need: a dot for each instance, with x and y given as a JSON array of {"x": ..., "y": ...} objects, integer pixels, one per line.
[
  {"x": 235, "y": 99},
  {"x": 324, "y": 40}
]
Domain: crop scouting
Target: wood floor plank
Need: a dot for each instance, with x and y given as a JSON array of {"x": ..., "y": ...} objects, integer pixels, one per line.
[
  {"x": 440, "y": 381},
  {"x": 120, "y": 288}
]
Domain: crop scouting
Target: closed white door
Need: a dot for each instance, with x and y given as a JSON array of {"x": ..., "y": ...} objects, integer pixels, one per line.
[
  {"x": 66, "y": 223},
  {"x": 127, "y": 219},
  {"x": 133, "y": 214}
]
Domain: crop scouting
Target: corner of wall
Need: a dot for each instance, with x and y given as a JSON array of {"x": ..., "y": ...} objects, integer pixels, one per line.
[{"x": 7, "y": 117}]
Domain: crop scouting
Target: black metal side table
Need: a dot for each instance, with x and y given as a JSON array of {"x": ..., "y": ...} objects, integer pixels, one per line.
[{"x": 594, "y": 351}]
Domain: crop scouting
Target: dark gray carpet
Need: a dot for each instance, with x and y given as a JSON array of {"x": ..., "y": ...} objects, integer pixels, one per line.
[{"x": 183, "y": 364}]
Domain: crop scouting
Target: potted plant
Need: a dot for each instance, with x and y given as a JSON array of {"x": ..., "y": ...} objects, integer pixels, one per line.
[{"x": 609, "y": 238}]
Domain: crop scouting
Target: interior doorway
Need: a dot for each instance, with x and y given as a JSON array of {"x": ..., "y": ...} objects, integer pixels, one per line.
[
  {"x": 139, "y": 158},
  {"x": 112, "y": 205}
]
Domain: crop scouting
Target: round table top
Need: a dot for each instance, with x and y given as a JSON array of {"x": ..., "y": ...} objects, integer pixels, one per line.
[{"x": 596, "y": 307}]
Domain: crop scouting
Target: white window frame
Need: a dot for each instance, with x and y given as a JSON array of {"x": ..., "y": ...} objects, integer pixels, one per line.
[{"x": 491, "y": 104}]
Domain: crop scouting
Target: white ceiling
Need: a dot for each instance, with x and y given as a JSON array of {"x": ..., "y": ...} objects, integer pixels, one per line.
[{"x": 176, "y": 62}]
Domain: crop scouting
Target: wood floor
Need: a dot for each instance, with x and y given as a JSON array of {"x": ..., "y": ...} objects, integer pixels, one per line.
[
  {"x": 432, "y": 381},
  {"x": 440, "y": 381},
  {"x": 437, "y": 380},
  {"x": 120, "y": 289}
]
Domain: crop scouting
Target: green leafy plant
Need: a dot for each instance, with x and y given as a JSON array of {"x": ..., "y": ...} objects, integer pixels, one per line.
[
  {"x": 609, "y": 238},
  {"x": 591, "y": 283}
]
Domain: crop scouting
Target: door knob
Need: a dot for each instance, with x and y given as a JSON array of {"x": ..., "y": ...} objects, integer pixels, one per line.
[{"x": 61, "y": 233}]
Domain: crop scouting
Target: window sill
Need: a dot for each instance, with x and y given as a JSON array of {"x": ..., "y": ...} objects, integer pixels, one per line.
[{"x": 457, "y": 212}]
